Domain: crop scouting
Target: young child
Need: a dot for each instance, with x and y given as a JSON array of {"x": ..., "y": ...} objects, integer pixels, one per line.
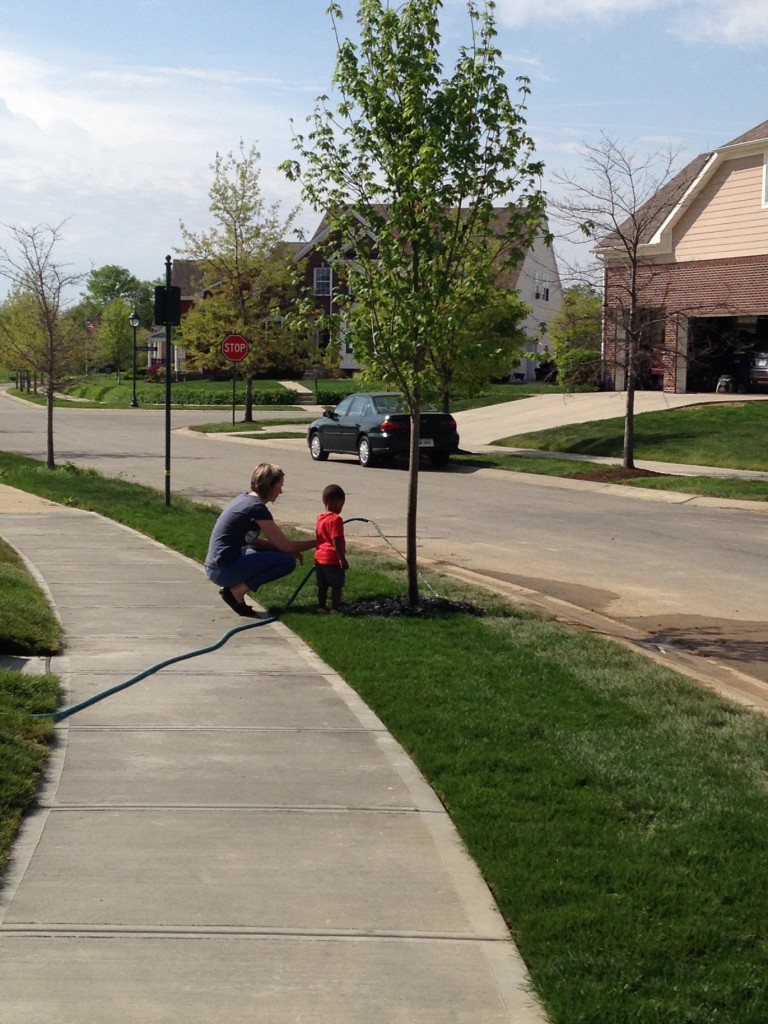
[{"x": 330, "y": 554}]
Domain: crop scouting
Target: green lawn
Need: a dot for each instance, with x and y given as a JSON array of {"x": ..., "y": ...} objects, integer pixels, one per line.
[
  {"x": 617, "y": 811},
  {"x": 731, "y": 435},
  {"x": 27, "y": 626}
]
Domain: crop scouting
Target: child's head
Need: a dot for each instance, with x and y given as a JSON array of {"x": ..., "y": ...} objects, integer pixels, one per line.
[{"x": 334, "y": 498}]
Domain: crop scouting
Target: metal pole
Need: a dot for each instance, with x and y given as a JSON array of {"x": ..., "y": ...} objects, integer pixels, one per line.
[
  {"x": 134, "y": 402},
  {"x": 234, "y": 379},
  {"x": 168, "y": 364}
]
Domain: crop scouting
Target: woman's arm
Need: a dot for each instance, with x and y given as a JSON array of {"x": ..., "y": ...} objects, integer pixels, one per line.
[{"x": 279, "y": 542}]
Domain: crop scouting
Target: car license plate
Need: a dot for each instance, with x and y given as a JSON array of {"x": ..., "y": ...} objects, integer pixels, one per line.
[{"x": 426, "y": 442}]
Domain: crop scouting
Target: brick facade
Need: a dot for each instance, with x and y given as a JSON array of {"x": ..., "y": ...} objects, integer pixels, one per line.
[{"x": 705, "y": 288}]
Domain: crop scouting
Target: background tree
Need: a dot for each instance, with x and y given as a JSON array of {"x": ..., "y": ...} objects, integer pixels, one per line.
[
  {"x": 489, "y": 340},
  {"x": 409, "y": 168},
  {"x": 111, "y": 282},
  {"x": 116, "y": 335},
  {"x": 248, "y": 274},
  {"x": 41, "y": 284},
  {"x": 105, "y": 286},
  {"x": 575, "y": 333},
  {"x": 617, "y": 204},
  {"x": 20, "y": 336}
]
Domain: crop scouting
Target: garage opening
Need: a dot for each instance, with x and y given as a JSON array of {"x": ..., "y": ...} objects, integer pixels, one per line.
[{"x": 728, "y": 346}]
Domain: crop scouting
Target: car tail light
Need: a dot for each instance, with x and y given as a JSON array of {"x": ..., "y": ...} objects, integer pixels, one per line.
[
  {"x": 448, "y": 423},
  {"x": 391, "y": 425}
]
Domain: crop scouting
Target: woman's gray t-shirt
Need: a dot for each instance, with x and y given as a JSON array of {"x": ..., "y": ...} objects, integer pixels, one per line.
[{"x": 236, "y": 527}]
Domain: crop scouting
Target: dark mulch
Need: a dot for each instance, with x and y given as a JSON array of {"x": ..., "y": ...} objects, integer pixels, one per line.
[
  {"x": 614, "y": 474},
  {"x": 427, "y": 607}
]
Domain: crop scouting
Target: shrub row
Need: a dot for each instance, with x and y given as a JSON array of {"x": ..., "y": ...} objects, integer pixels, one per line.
[{"x": 202, "y": 396}]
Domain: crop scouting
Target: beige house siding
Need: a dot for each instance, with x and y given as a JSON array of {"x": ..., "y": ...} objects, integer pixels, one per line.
[{"x": 727, "y": 218}]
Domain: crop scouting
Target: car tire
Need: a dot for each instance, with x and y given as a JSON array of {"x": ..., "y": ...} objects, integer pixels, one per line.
[
  {"x": 364, "y": 453},
  {"x": 439, "y": 459},
  {"x": 316, "y": 450}
]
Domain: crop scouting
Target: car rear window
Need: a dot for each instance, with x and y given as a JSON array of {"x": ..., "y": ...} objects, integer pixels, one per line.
[{"x": 390, "y": 403}]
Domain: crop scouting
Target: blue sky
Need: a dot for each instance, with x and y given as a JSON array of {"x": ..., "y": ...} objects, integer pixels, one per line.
[{"x": 111, "y": 111}]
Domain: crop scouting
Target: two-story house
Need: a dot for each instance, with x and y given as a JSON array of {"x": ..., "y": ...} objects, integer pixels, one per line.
[{"x": 536, "y": 279}]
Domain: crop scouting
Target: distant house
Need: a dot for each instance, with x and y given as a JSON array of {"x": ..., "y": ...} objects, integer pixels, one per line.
[
  {"x": 704, "y": 274},
  {"x": 536, "y": 279},
  {"x": 189, "y": 276}
]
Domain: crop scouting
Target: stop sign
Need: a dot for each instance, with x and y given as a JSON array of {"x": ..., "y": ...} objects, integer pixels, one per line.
[{"x": 234, "y": 347}]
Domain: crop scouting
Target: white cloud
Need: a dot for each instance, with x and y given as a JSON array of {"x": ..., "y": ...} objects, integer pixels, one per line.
[
  {"x": 518, "y": 12},
  {"x": 736, "y": 22},
  {"x": 121, "y": 154},
  {"x": 730, "y": 22}
]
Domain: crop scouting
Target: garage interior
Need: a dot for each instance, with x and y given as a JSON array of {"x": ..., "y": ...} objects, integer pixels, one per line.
[{"x": 727, "y": 346}]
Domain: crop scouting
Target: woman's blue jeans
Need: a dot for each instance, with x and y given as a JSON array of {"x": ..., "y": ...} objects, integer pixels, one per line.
[{"x": 253, "y": 568}]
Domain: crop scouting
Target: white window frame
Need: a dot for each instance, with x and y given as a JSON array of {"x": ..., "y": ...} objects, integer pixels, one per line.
[{"x": 323, "y": 280}]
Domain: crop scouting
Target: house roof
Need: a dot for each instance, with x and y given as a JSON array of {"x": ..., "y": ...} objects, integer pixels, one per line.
[
  {"x": 757, "y": 134},
  {"x": 662, "y": 209},
  {"x": 501, "y": 215},
  {"x": 188, "y": 276}
]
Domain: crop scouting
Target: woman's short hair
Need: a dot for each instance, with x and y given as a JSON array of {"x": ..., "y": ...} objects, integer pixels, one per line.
[{"x": 265, "y": 478}]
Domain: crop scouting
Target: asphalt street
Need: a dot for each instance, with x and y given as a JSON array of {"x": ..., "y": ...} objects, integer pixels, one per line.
[{"x": 684, "y": 573}]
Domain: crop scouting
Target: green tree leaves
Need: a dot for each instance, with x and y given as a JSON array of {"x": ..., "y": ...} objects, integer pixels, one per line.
[{"x": 430, "y": 190}]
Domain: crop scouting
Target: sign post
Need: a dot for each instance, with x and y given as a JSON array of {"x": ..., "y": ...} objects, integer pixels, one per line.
[{"x": 234, "y": 348}]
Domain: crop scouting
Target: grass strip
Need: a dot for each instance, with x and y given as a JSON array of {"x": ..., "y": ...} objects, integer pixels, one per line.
[
  {"x": 24, "y": 746},
  {"x": 27, "y": 626},
  {"x": 26, "y": 623},
  {"x": 617, "y": 811},
  {"x": 730, "y": 436},
  {"x": 707, "y": 486}
]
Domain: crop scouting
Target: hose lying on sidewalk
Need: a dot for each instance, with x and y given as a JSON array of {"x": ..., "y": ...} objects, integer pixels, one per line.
[{"x": 63, "y": 713}]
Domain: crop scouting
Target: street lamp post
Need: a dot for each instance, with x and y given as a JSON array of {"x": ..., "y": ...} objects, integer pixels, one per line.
[{"x": 134, "y": 321}]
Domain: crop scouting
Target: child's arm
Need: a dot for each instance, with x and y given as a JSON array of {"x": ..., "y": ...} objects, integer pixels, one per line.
[{"x": 340, "y": 547}]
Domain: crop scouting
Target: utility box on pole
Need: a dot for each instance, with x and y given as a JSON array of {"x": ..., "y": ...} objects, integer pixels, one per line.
[{"x": 167, "y": 305}]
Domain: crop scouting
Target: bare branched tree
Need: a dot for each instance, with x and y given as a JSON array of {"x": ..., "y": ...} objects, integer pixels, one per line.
[
  {"x": 44, "y": 339},
  {"x": 620, "y": 204}
]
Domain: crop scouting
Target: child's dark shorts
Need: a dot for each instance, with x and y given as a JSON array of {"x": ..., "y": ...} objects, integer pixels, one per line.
[{"x": 332, "y": 576}]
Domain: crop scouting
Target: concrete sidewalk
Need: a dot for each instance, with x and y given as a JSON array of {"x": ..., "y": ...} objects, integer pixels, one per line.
[{"x": 236, "y": 838}]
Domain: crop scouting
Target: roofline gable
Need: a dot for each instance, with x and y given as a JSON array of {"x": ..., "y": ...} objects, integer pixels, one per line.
[{"x": 700, "y": 170}]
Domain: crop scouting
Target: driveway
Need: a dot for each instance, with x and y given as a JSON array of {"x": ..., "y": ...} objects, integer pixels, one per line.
[{"x": 490, "y": 424}]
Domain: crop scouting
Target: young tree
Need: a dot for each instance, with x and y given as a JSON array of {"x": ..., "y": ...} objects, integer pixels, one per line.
[
  {"x": 248, "y": 273},
  {"x": 576, "y": 335},
  {"x": 410, "y": 168},
  {"x": 624, "y": 196},
  {"x": 41, "y": 285}
]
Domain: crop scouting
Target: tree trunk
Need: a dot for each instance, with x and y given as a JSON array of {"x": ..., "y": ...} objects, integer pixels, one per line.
[
  {"x": 50, "y": 461},
  {"x": 248, "y": 414},
  {"x": 413, "y": 496},
  {"x": 629, "y": 411}
]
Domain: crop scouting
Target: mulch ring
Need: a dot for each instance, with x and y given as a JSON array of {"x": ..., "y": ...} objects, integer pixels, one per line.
[
  {"x": 427, "y": 607},
  {"x": 614, "y": 474}
]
